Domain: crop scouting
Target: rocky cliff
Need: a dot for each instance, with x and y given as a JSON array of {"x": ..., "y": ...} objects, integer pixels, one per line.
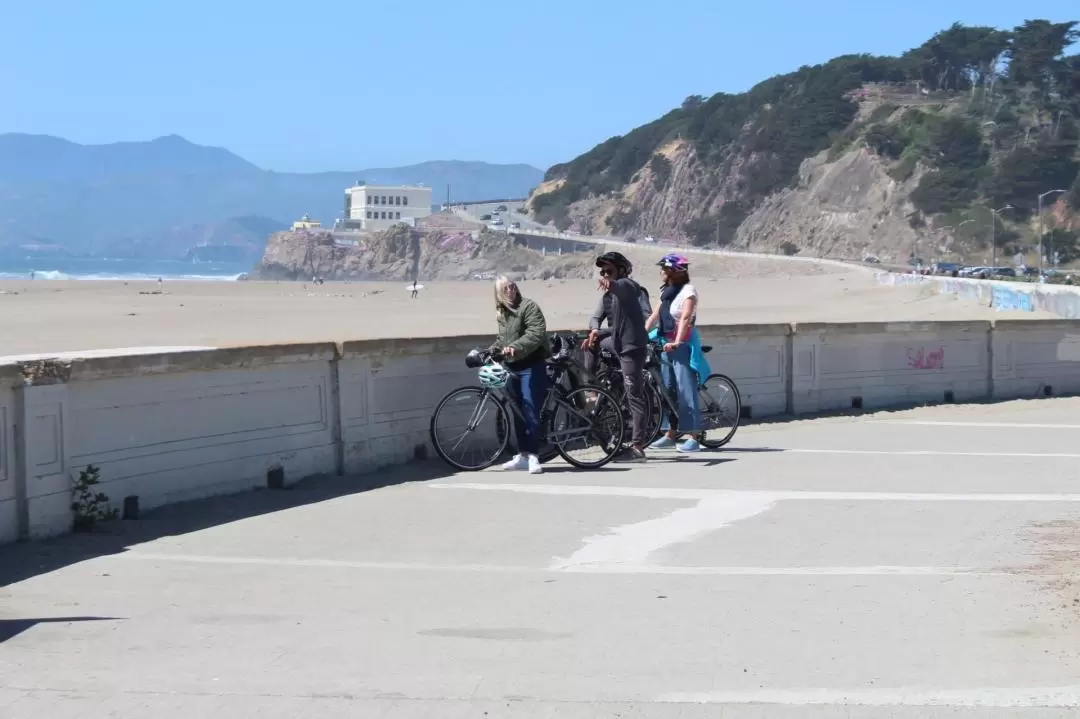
[
  {"x": 403, "y": 253},
  {"x": 861, "y": 155},
  {"x": 849, "y": 208}
]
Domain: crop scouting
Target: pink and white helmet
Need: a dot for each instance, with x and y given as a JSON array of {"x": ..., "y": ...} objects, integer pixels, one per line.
[{"x": 675, "y": 262}]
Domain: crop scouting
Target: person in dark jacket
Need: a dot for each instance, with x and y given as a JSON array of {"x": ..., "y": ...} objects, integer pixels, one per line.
[
  {"x": 601, "y": 337},
  {"x": 629, "y": 341},
  {"x": 523, "y": 342}
]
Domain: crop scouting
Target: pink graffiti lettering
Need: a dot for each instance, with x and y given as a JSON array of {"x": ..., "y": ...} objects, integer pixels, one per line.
[{"x": 922, "y": 359}]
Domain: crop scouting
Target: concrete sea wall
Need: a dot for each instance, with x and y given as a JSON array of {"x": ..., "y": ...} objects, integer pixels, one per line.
[
  {"x": 1061, "y": 300},
  {"x": 183, "y": 424}
]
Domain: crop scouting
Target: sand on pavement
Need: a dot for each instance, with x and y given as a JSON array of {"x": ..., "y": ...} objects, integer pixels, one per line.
[{"x": 58, "y": 316}]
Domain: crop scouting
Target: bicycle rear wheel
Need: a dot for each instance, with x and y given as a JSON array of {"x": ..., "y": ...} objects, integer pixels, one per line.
[
  {"x": 614, "y": 383},
  {"x": 587, "y": 427},
  {"x": 470, "y": 428},
  {"x": 721, "y": 410}
]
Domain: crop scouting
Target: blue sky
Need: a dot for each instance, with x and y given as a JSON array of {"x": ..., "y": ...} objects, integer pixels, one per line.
[{"x": 351, "y": 84}]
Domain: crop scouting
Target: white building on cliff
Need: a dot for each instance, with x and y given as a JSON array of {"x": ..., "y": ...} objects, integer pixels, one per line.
[{"x": 377, "y": 207}]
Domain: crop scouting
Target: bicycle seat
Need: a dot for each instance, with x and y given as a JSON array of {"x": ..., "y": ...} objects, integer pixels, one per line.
[{"x": 706, "y": 349}]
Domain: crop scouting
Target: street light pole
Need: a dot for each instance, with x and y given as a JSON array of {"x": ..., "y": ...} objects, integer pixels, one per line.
[
  {"x": 993, "y": 233},
  {"x": 1048, "y": 192}
]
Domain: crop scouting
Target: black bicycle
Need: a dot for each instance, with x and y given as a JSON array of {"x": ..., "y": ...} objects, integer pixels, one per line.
[
  {"x": 471, "y": 426},
  {"x": 719, "y": 401}
]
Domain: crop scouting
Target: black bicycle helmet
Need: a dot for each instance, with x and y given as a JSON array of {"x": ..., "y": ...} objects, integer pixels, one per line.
[{"x": 615, "y": 258}]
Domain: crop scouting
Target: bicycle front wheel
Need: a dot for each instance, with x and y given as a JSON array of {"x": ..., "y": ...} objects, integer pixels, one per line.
[
  {"x": 721, "y": 410},
  {"x": 587, "y": 427},
  {"x": 654, "y": 409},
  {"x": 470, "y": 429}
]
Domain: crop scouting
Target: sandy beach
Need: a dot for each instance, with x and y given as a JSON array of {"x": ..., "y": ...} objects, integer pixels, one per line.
[{"x": 55, "y": 316}]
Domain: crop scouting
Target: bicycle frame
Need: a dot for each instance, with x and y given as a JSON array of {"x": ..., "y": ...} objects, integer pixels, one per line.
[{"x": 553, "y": 399}]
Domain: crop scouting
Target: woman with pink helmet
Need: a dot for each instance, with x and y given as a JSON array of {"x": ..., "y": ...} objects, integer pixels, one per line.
[{"x": 674, "y": 318}]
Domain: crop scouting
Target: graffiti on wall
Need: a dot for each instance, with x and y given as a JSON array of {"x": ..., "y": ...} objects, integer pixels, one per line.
[
  {"x": 1008, "y": 299},
  {"x": 922, "y": 358}
]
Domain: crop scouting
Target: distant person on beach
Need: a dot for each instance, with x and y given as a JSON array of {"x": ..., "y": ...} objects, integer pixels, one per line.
[
  {"x": 523, "y": 341},
  {"x": 415, "y": 291}
]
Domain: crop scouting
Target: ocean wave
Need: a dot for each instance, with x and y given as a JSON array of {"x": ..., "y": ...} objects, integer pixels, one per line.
[{"x": 106, "y": 277}]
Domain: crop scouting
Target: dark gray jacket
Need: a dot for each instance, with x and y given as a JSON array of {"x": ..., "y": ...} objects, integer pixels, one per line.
[
  {"x": 626, "y": 309},
  {"x": 603, "y": 308}
]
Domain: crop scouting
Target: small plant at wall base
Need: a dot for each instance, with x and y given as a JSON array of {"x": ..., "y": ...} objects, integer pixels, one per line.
[{"x": 88, "y": 505}]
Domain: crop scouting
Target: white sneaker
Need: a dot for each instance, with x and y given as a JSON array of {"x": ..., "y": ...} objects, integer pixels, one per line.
[
  {"x": 518, "y": 463},
  {"x": 534, "y": 465}
]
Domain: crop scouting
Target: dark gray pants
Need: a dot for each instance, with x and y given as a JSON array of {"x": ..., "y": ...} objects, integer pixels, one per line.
[{"x": 632, "y": 365}]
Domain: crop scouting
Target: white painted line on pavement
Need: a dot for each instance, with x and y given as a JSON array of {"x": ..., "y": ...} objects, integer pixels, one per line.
[
  {"x": 991, "y": 425},
  {"x": 870, "y": 571},
  {"x": 631, "y": 544},
  {"x": 934, "y": 453},
  {"x": 697, "y": 494},
  {"x": 878, "y": 571},
  {"x": 314, "y": 563},
  {"x": 990, "y": 697}
]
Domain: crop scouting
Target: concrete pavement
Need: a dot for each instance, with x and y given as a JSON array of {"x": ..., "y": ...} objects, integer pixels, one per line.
[{"x": 906, "y": 564}]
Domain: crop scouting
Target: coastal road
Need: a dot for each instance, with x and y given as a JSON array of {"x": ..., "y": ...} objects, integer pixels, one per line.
[
  {"x": 474, "y": 212},
  {"x": 910, "y": 565}
]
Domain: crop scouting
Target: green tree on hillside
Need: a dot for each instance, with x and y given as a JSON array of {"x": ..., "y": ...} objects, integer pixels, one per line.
[
  {"x": 958, "y": 58},
  {"x": 1028, "y": 171},
  {"x": 1035, "y": 53}
]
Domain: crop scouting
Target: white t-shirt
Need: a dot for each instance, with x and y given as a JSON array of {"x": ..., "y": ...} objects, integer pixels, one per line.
[{"x": 687, "y": 292}]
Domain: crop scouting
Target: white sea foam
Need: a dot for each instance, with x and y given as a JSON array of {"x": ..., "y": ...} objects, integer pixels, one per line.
[{"x": 57, "y": 275}]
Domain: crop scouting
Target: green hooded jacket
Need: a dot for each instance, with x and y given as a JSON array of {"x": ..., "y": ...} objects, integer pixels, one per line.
[{"x": 524, "y": 329}]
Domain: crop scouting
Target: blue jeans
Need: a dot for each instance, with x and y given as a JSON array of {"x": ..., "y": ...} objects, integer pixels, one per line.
[
  {"x": 682, "y": 383},
  {"x": 528, "y": 388}
]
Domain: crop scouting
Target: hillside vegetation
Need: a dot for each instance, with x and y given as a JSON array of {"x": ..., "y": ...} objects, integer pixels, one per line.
[{"x": 975, "y": 118}]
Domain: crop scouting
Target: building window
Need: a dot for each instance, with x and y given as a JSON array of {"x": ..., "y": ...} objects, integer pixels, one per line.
[
  {"x": 382, "y": 199},
  {"x": 405, "y": 200},
  {"x": 384, "y": 215},
  {"x": 398, "y": 216},
  {"x": 397, "y": 200},
  {"x": 369, "y": 214}
]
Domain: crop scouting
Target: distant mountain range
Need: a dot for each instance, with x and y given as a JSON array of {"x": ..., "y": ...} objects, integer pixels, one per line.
[{"x": 160, "y": 199}]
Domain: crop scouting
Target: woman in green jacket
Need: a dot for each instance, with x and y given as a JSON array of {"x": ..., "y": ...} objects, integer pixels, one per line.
[{"x": 524, "y": 343}]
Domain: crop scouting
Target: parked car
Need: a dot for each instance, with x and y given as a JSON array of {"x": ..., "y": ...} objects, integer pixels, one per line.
[
  {"x": 485, "y": 218},
  {"x": 515, "y": 225},
  {"x": 496, "y": 220},
  {"x": 501, "y": 208},
  {"x": 870, "y": 259}
]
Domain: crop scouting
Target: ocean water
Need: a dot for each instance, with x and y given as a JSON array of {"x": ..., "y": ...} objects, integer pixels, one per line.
[{"x": 127, "y": 270}]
